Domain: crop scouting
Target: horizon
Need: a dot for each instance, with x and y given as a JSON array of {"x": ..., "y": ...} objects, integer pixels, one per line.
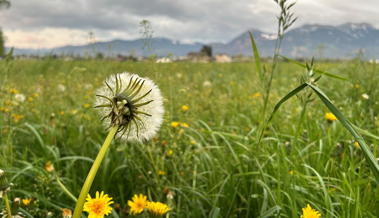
[{"x": 60, "y": 23}]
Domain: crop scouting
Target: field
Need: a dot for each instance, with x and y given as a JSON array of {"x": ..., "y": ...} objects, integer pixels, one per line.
[{"x": 214, "y": 167}]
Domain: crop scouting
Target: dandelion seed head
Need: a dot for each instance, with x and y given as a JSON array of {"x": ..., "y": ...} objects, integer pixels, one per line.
[{"x": 137, "y": 106}]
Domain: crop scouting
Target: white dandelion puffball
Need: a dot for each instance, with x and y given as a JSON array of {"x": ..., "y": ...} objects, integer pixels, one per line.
[
  {"x": 133, "y": 103},
  {"x": 19, "y": 98}
]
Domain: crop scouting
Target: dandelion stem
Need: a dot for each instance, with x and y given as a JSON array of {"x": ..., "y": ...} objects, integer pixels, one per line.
[
  {"x": 66, "y": 190},
  {"x": 92, "y": 173},
  {"x": 7, "y": 204}
]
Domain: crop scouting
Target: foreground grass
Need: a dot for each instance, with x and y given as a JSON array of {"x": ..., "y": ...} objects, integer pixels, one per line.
[{"x": 213, "y": 167}]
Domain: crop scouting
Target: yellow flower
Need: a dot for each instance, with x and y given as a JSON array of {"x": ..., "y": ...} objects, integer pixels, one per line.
[
  {"x": 161, "y": 173},
  {"x": 31, "y": 98},
  {"x": 36, "y": 95},
  {"x": 184, "y": 108},
  {"x": 330, "y": 117},
  {"x": 256, "y": 95},
  {"x": 49, "y": 167},
  {"x": 183, "y": 124},
  {"x": 157, "y": 209},
  {"x": 74, "y": 111},
  {"x": 291, "y": 173},
  {"x": 308, "y": 212},
  {"x": 356, "y": 86},
  {"x": 138, "y": 204},
  {"x": 26, "y": 202},
  {"x": 99, "y": 206},
  {"x": 170, "y": 152},
  {"x": 66, "y": 213},
  {"x": 357, "y": 144},
  {"x": 13, "y": 91},
  {"x": 193, "y": 142},
  {"x": 62, "y": 112},
  {"x": 175, "y": 124},
  {"x": 87, "y": 105}
]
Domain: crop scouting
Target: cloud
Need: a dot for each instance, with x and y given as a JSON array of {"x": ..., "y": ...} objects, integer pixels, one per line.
[{"x": 204, "y": 21}]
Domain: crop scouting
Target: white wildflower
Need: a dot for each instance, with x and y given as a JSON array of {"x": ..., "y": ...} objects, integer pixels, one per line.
[
  {"x": 365, "y": 96},
  {"x": 132, "y": 102},
  {"x": 19, "y": 97},
  {"x": 61, "y": 88},
  {"x": 207, "y": 83}
]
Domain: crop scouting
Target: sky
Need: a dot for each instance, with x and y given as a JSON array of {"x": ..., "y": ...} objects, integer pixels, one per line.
[{"x": 53, "y": 23}]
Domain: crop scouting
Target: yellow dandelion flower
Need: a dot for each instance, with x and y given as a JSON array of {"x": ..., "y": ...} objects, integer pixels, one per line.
[
  {"x": 291, "y": 173},
  {"x": 220, "y": 75},
  {"x": 66, "y": 213},
  {"x": 49, "y": 166},
  {"x": 74, "y": 111},
  {"x": 157, "y": 209},
  {"x": 62, "y": 112},
  {"x": 170, "y": 152},
  {"x": 87, "y": 105},
  {"x": 99, "y": 206},
  {"x": 36, "y": 95},
  {"x": 357, "y": 144},
  {"x": 184, "y": 108},
  {"x": 330, "y": 117},
  {"x": 31, "y": 99},
  {"x": 193, "y": 142},
  {"x": 13, "y": 91},
  {"x": 138, "y": 204},
  {"x": 184, "y": 125},
  {"x": 356, "y": 86},
  {"x": 26, "y": 202},
  {"x": 161, "y": 173},
  {"x": 175, "y": 124},
  {"x": 256, "y": 95},
  {"x": 308, "y": 212}
]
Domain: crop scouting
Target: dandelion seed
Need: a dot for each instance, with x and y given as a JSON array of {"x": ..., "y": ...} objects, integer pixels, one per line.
[
  {"x": 133, "y": 103},
  {"x": 365, "y": 96},
  {"x": 138, "y": 204},
  {"x": 330, "y": 117},
  {"x": 4, "y": 185},
  {"x": 19, "y": 98},
  {"x": 157, "y": 209},
  {"x": 207, "y": 83},
  {"x": 308, "y": 212},
  {"x": 99, "y": 206},
  {"x": 61, "y": 88}
]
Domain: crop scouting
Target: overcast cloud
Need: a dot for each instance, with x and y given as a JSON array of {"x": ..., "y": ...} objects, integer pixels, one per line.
[{"x": 51, "y": 23}]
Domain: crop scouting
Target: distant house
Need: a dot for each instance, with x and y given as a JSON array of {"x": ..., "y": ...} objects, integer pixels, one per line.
[
  {"x": 223, "y": 58},
  {"x": 163, "y": 60}
]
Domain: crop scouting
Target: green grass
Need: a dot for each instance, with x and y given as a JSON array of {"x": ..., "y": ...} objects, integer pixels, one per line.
[{"x": 216, "y": 169}]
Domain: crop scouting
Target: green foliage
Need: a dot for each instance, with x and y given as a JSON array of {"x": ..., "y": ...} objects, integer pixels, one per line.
[{"x": 2, "y": 48}]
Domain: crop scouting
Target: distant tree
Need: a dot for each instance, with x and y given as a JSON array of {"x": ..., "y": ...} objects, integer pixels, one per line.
[
  {"x": 3, "y": 4},
  {"x": 207, "y": 50},
  {"x": 2, "y": 48},
  {"x": 99, "y": 56}
]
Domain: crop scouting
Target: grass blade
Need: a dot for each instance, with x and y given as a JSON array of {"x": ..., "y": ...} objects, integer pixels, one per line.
[
  {"x": 345, "y": 122},
  {"x": 317, "y": 71},
  {"x": 256, "y": 56}
]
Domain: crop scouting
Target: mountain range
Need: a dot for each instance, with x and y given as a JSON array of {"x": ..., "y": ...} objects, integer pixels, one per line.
[{"x": 329, "y": 41}]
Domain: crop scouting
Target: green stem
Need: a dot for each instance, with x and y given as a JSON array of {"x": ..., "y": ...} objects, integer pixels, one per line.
[
  {"x": 92, "y": 173},
  {"x": 66, "y": 190},
  {"x": 7, "y": 204}
]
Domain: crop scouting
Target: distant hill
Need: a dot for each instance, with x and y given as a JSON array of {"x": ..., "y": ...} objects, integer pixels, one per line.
[{"x": 333, "y": 41}]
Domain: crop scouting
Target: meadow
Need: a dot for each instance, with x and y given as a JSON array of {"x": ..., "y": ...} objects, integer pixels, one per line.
[{"x": 210, "y": 162}]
